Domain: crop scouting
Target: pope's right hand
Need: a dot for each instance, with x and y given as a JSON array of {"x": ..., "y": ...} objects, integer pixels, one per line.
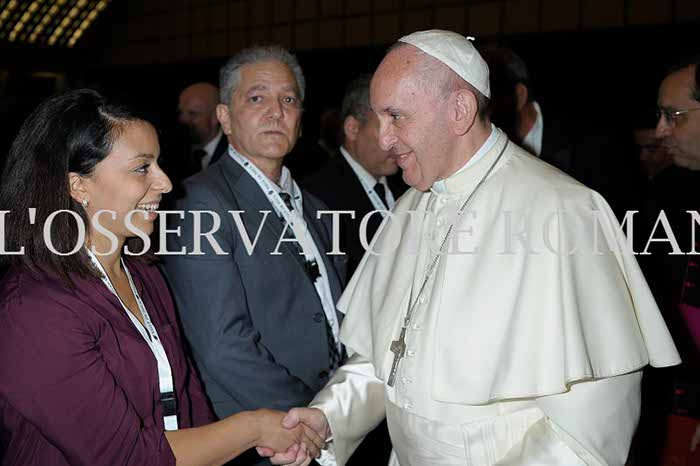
[
  {"x": 273, "y": 435},
  {"x": 312, "y": 420}
]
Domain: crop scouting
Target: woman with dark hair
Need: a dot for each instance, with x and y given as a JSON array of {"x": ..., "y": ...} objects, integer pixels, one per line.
[{"x": 92, "y": 370}]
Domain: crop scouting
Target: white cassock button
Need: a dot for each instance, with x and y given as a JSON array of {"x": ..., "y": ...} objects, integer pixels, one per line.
[
  {"x": 410, "y": 353},
  {"x": 422, "y": 299},
  {"x": 443, "y": 200},
  {"x": 416, "y": 327},
  {"x": 407, "y": 406},
  {"x": 439, "y": 222},
  {"x": 406, "y": 380}
]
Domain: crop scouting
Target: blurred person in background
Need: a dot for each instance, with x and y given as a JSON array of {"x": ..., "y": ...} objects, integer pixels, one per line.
[
  {"x": 359, "y": 177},
  {"x": 557, "y": 134}
]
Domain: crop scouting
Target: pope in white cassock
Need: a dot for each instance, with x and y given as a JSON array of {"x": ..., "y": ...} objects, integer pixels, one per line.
[{"x": 519, "y": 339}]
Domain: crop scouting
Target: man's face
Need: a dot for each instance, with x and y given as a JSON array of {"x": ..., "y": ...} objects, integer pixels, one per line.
[
  {"x": 652, "y": 154},
  {"x": 263, "y": 118},
  {"x": 366, "y": 150},
  {"x": 198, "y": 113},
  {"x": 412, "y": 121},
  {"x": 681, "y": 136}
]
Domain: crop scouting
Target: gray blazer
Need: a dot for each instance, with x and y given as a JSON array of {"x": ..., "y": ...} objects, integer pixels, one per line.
[{"x": 254, "y": 322}]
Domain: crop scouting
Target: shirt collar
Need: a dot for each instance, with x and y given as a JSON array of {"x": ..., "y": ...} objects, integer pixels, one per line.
[
  {"x": 440, "y": 187},
  {"x": 210, "y": 147},
  {"x": 366, "y": 178},
  {"x": 286, "y": 182},
  {"x": 533, "y": 140}
]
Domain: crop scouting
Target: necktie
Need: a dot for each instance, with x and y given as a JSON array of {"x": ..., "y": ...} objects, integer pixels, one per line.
[
  {"x": 197, "y": 156},
  {"x": 334, "y": 356},
  {"x": 287, "y": 198},
  {"x": 381, "y": 192}
]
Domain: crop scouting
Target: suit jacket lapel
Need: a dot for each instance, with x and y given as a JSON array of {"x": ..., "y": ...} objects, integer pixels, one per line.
[
  {"x": 357, "y": 191},
  {"x": 250, "y": 197},
  {"x": 355, "y": 188},
  {"x": 220, "y": 150},
  {"x": 554, "y": 145},
  {"x": 253, "y": 201},
  {"x": 316, "y": 230}
]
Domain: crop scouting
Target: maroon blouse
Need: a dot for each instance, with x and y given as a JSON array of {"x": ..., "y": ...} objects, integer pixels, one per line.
[{"x": 78, "y": 383}]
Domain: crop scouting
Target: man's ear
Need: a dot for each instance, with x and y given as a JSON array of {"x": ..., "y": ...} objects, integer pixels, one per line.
[
  {"x": 76, "y": 185},
  {"x": 351, "y": 126},
  {"x": 522, "y": 95},
  {"x": 224, "y": 118},
  {"x": 464, "y": 110}
]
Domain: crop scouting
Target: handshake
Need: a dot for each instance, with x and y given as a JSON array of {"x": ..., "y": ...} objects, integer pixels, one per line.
[{"x": 294, "y": 438}]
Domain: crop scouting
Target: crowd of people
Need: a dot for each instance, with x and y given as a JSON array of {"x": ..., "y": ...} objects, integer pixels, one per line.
[{"x": 447, "y": 283}]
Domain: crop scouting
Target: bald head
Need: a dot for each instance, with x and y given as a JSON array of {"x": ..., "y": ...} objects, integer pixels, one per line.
[
  {"x": 430, "y": 74},
  {"x": 428, "y": 115},
  {"x": 197, "y": 107}
]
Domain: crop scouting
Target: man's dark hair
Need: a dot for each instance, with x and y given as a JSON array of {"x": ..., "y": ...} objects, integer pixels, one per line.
[
  {"x": 684, "y": 63},
  {"x": 507, "y": 67},
  {"x": 506, "y": 70},
  {"x": 356, "y": 99},
  {"x": 70, "y": 132}
]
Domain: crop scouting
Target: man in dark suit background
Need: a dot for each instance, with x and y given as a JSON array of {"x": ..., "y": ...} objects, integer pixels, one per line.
[
  {"x": 360, "y": 176},
  {"x": 197, "y": 112},
  {"x": 579, "y": 147},
  {"x": 672, "y": 277},
  {"x": 257, "y": 286},
  {"x": 198, "y": 141}
]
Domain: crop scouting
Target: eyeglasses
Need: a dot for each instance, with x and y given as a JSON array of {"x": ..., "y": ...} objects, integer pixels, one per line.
[{"x": 672, "y": 117}]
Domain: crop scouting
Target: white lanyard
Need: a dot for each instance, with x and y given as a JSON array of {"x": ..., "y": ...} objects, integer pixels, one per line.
[
  {"x": 301, "y": 233},
  {"x": 379, "y": 204},
  {"x": 376, "y": 201},
  {"x": 149, "y": 333}
]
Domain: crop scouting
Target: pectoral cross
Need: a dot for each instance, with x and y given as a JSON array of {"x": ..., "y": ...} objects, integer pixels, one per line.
[{"x": 398, "y": 347}]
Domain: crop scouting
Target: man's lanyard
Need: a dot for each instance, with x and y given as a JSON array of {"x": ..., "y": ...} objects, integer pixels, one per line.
[
  {"x": 295, "y": 220},
  {"x": 379, "y": 205},
  {"x": 377, "y": 202},
  {"x": 149, "y": 333}
]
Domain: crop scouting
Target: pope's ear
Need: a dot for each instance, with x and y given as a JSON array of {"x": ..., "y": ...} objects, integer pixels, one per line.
[
  {"x": 464, "y": 108},
  {"x": 351, "y": 126},
  {"x": 76, "y": 186},
  {"x": 224, "y": 118}
]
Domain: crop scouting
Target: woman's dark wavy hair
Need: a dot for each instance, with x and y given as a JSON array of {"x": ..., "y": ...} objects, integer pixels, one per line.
[{"x": 70, "y": 132}]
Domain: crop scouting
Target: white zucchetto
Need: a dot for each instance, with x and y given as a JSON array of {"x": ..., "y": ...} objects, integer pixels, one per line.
[{"x": 455, "y": 51}]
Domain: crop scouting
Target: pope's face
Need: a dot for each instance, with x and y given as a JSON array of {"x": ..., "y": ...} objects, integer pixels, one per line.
[
  {"x": 263, "y": 118},
  {"x": 412, "y": 120},
  {"x": 681, "y": 136}
]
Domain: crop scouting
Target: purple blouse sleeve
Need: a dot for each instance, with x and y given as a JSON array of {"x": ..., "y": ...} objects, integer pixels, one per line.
[
  {"x": 52, "y": 372},
  {"x": 202, "y": 414}
]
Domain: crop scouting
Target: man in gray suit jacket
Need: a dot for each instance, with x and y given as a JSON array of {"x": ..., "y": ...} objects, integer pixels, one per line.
[{"x": 253, "y": 289}]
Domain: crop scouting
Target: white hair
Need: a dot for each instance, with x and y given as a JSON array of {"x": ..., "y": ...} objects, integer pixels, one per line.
[{"x": 230, "y": 73}]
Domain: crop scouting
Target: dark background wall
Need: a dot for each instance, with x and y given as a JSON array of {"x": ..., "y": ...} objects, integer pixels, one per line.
[{"x": 598, "y": 58}]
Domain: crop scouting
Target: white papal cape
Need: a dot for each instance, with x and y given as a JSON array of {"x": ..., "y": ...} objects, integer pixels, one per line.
[{"x": 526, "y": 345}]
